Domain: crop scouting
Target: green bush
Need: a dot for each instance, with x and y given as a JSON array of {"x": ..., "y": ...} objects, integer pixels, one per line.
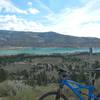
[
  {"x": 3, "y": 75},
  {"x": 11, "y": 88},
  {"x": 4, "y": 89}
]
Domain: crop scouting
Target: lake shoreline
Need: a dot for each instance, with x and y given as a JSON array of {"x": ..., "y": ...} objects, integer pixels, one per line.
[
  {"x": 9, "y": 51},
  {"x": 12, "y": 48}
]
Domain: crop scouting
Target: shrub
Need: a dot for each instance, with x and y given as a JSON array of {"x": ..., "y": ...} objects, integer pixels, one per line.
[
  {"x": 97, "y": 85},
  {"x": 3, "y": 75},
  {"x": 11, "y": 88},
  {"x": 4, "y": 89}
]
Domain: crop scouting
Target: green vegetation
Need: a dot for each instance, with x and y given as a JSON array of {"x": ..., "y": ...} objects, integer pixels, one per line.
[
  {"x": 24, "y": 75},
  {"x": 3, "y": 74}
]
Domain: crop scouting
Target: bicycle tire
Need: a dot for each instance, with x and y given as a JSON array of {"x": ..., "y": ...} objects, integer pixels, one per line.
[{"x": 52, "y": 93}]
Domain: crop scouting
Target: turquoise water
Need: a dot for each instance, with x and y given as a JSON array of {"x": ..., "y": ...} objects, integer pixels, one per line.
[{"x": 43, "y": 51}]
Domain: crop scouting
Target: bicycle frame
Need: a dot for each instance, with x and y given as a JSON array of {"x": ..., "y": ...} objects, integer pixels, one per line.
[{"x": 77, "y": 87}]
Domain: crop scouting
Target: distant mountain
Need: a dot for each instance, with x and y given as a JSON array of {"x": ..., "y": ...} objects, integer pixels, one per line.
[{"x": 44, "y": 39}]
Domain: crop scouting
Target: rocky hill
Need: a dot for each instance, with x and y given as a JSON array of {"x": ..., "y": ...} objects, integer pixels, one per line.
[{"x": 44, "y": 39}]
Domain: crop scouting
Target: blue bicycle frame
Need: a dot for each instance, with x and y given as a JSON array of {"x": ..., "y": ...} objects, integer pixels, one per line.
[{"x": 75, "y": 87}]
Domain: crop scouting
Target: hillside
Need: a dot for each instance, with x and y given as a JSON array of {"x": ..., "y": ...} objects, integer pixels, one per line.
[{"x": 44, "y": 39}]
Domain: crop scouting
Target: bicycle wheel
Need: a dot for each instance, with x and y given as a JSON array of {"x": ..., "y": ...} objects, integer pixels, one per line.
[{"x": 53, "y": 95}]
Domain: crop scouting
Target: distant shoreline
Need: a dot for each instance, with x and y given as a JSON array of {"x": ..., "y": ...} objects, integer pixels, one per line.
[
  {"x": 16, "y": 48},
  {"x": 13, "y": 48},
  {"x": 45, "y": 51}
]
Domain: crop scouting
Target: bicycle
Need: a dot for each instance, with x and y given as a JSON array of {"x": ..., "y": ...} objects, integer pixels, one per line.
[{"x": 76, "y": 88}]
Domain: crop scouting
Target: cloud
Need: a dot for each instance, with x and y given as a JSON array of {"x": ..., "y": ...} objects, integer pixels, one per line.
[
  {"x": 93, "y": 5},
  {"x": 29, "y": 3},
  {"x": 33, "y": 11},
  {"x": 44, "y": 6},
  {"x": 83, "y": 21},
  {"x": 79, "y": 21},
  {"x": 6, "y": 6},
  {"x": 11, "y": 22}
]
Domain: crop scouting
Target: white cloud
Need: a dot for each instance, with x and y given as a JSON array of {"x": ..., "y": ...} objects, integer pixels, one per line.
[
  {"x": 11, "y": 22},
  {"x": 33, "y": 11},
  {"x": 93, "y": 5},
  {"x": 8, "y": 7},
  {"x": 29, "y": 3},
  {"x": 44, "y": 6},
  {"x": 83, "y": 21}
]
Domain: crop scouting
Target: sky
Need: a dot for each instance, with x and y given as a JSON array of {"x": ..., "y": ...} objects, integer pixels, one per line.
[{"x": 69, "y": 17}]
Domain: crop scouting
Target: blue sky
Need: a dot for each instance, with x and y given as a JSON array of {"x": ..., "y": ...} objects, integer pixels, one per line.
[{"x": 70, "y": 17}]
